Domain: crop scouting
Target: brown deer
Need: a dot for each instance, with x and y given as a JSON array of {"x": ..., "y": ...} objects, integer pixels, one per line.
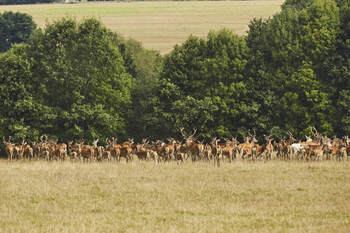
[
  {"x": 97, "y": 150},
  {"x": 141, "y": 151},
  {"x": 9, "y": 148},
  {"x": 195, "y": 150},
  {"x": 126, "y": 150},
  {"x": 216, "y": 151}
]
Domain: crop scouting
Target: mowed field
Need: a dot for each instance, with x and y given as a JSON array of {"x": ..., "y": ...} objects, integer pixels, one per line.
[
  {"x": 158, "y": 25},
  {"x": 273, "y": 196}
]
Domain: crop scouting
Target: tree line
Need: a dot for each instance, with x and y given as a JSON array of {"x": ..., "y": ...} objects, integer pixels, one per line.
[
  {"x": 18, "y": 2},
  {"x": 73, "y": 80}
]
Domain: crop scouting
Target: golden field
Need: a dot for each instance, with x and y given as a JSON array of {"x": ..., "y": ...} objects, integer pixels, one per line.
[
  {"x": 158, "y": 25},
  {"x": 273, "y": 196}
]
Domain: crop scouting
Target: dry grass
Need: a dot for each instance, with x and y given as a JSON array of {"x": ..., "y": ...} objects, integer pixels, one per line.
[
  {"x": 140, "y": 197},
  {"x": 159, "y": 25}
]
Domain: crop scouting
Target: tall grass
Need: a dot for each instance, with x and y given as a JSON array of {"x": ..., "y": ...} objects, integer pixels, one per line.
[{"x": 274, "y": 196}]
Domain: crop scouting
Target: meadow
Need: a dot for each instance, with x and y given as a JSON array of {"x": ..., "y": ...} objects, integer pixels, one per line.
[
  {"x": 158, "y": 25},
  {"x": 273, "y": 196}
]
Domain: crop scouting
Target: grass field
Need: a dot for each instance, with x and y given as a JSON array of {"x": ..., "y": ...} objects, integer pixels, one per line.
[
  {"x": 159, "y": 25},
  {"x": 275, "y": 196}
]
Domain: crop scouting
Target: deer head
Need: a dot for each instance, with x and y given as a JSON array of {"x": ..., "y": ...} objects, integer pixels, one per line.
[
  {"x": 215, "y": 141},
  {"x": 94, "y": 143},
  {"x": 234, "y": 141},
  {"x": 291, "y": 137},
  {"x": 308, "y": 139}
]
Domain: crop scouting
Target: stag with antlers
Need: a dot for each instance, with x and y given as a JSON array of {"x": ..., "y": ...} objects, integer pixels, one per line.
[{"x": 194, "y": 149}]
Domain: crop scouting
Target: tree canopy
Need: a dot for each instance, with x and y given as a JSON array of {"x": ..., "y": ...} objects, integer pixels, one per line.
[
  {"x": 69, "y": 80},
  {"x": 290, "y": 72},
  {"x": 14, "y": 28}
]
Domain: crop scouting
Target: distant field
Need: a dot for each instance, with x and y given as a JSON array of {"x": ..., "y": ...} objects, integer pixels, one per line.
[
  {"x": 159, "y": 25},
  {"x": 275, "y": 196}
]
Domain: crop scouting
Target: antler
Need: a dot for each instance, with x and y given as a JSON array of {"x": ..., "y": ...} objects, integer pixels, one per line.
[
  {"x": 312, "y": 131},
  {"x": 290, "y": 135},
  {"x": 250, "y": 134},
  {"x": 182, "y": 132},
  {"x": 214, "y": 141},
  {"x": 95, "y": 142},
  {"x": 194, "y": 132},
  {"x": 268, "y": 138},
  {"x": 234, "y": 140},
  {"x": 316, "y": 134}
]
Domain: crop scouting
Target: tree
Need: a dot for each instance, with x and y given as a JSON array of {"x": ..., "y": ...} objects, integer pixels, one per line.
[
  {"x": 203, "y": 86},
  {"x": 290, "y": 57},
  {"x": 10, "y": 2},
  {"x": 17, "y": 106},
  {"x": 144, "y": 66},
  {"x": 14, "y": 28},
  {"x": 339, "y": 67},
  {"x": 297, "y": 4},
  {"x": 75, "y": 74}
]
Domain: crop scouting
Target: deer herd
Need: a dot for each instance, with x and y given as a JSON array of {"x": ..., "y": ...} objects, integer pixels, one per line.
[{"x": 315, "y": 148}]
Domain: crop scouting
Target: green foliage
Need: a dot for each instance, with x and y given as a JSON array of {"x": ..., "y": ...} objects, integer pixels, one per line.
[
  {"x": 11, "y": 2},
  {"x": 344, "y": 111},
  {"x": 296, "y": 4},
  {"x": 290, "y": 58},
  {"x": 71, "y": 82},
  {"x": 15, "y": 100},
  {"x": 79, "y": 80},
  {"x": 340, "y": 70},
  {"x": 203, "y": 86},
  {"x": 14, "y": 28},
  {"x": 144, "y": 66}
]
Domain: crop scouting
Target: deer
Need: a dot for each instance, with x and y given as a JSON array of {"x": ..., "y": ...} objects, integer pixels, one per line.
[
  {"x": 194, "y": 149},
  {"x": 159, "y": 147},
  {"x": 19, "y": 150},
  {"x": 269, "y": 148},
  {"x": 216, "y": 151},
  {"x": 97, "y": 150},
  {"x": 73, "y": 151},
  {"x": 228, "y": 150},
  {"x": 85, "y": 152},
  {"x": 207, "y": 152},
  {"x": 126, "y": 150},
  {"x": 170, "y": 148},
  {"x": 28, "y": 151},
  {"x": 60, "y": 150},
  {"x": 9, "y": 149},
  {"x": 247, "y": 148},
  {"x": 141, "y": 151}
]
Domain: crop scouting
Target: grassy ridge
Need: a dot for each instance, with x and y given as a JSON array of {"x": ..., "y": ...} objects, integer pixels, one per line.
[
  {"x": 159, "y": 25},
  {"x": 141, "y": 197}
]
